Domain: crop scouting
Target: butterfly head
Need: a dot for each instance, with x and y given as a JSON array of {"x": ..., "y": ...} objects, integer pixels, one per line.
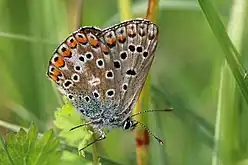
[{"x": 129, "y": 124}]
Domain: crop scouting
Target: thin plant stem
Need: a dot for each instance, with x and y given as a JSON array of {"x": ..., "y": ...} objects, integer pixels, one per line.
[
  {"x": 75, "y": 14},
  {"x": 151, "y": 12},
  {"x": 142, "y": 135},
  {"x": 95, "y": 153},
  {"x": 79, "y": 15},
  {"x": 125, "y": 9}
]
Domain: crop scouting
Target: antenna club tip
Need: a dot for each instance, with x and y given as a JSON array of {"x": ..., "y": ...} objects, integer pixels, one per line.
[{"x": 161, "y": 142}]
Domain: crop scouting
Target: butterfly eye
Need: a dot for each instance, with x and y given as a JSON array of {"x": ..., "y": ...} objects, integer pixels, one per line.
[{"x": 127, "y": 125}]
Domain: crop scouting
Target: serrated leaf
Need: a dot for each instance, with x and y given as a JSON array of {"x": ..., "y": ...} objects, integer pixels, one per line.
[
  {"x": 67, "y": 118},
  {"x": 25, "y": 148}
]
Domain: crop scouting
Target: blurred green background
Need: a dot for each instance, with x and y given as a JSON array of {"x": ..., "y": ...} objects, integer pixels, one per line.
[{"x": 185, "y": 73}]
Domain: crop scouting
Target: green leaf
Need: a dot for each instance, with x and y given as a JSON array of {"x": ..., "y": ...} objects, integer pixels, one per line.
[
  {"x": 67, "y": 118},
  {"x": 25, "y": 148}
]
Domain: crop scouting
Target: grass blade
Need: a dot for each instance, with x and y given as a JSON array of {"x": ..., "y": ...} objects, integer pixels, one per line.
[
  {"x": 226, "y": 141},
  {"x": 231, "y": 54}
]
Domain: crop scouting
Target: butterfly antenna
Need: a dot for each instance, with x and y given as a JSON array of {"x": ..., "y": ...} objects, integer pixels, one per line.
[
  {"x": 150, "y": 133},
  {"x": 81, "y": 125},
  {"x": 161, "y": 110}
]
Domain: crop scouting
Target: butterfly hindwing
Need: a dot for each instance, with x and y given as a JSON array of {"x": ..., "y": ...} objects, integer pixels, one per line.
[{"x": 81, "y": 72}]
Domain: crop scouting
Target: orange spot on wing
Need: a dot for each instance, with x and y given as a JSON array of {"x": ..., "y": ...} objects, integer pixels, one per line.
[
  {"x": 81, "y": 38},
  {"x": 66, "y": 53},
  {"x": 93, "y": 42},
  {"x": 59, "y": 62},
  {"x": 122, "y": 38},
  {"x": 56, "y": 72},
  {"x": 53, "y": 77},
  {"x": 105, "y": 50},
  {"x": 111, "y": 41},
  {"x": 72, "y": 43},
  {"x": 131, "y": 33}
]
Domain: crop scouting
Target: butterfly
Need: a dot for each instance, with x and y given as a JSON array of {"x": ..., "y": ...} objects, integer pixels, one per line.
[{"x": 102, "y": 72}]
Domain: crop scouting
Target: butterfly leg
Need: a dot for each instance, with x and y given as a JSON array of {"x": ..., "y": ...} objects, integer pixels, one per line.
[
  {"x": 81, "y": 125},
  {"x": 101, "y": 137}
]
